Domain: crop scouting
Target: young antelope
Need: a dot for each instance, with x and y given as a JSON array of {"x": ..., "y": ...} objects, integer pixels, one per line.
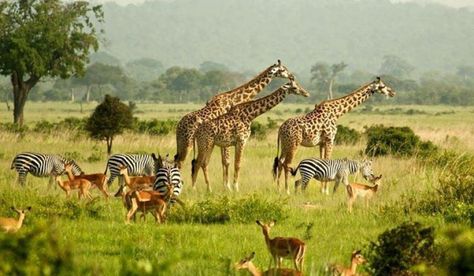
[
  {"x": 11, "y": 225},
  {"x": 355, "y": 190},
  {"x": 340, "y": 270},
  {"x": 246, "y": 263}
]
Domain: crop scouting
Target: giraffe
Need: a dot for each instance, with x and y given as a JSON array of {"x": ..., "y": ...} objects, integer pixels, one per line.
[
  {"x": 221, "y": 104},
  {"x": 233, "y": 129},
  {"x": 319, "y": 127}
]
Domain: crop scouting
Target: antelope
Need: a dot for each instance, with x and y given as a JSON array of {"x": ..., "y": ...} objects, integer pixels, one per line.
[
  {"x": 288, "y": 248},
  {"x": 355, "y": 190},
  {"x": 79, "y": 183},
  {"x": 136, "y": 182},
  {"x": 97, "y": 179},
  {"x": 246, "y": 263},
  {"x": 11, "y": 225},
  {"x": 340, "y": 270},
  {"x": 146, "y": 201}
]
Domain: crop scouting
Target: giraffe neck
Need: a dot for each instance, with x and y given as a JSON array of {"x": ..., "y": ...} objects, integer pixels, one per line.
[
  {"x": 338, "y": 107},
  {"x": 253, "y": 109},
  {"x": 249, "y": 90}
]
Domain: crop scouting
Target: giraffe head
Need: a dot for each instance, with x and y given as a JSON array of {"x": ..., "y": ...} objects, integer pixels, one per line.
[
  {"x": 278, "y": 70},
  {"x": 379, "y": 86},
  {"x": 293, "y": 87}
]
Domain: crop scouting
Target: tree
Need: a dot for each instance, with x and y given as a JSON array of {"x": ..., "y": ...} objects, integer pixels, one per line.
[
  {"x": 44, "y": 38},
  {"x": 466, "y": 72},
  {"x": 396, "y": 66},
  {"x": 207, "y": 66},
  {"x": 110, "y": 118},
  {"x": 325, "y": 75},
  {"x": 144, "y": 69}
]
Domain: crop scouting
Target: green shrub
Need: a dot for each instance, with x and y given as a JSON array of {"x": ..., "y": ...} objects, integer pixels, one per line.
[
  {"x": 155, "y": 127},
  {"x": 44, "y": 126},
  {"x": 36, "y": 252},
  {"x": 460, "y": 213},
  {"x": 224, "y": 209},
  {"x": 346, "y": 135},
  {"x": 400, "y": 250},
  {"x": 258, "y": 130},
  {"x": 458, "y": 252},
  {"x": 397, "y": 141}
]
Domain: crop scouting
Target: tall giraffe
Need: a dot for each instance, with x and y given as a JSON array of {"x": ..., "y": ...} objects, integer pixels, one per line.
[
  {"x": 233, "y": 129},
  {"x": 221, "y": 104},
  {"x": 319, "y": 127}
]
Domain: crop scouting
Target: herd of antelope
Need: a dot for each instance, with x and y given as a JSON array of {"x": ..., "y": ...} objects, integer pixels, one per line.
[{"x": 150, "y": 184}]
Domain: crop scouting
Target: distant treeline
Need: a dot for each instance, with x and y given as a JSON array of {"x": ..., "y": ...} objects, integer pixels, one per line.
[{"x": 135, "y": 82}]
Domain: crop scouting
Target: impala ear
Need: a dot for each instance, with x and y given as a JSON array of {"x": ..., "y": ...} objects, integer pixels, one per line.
[
  {"x": 272, "y": 223},
  {"x": 251, "y": 256},
  {"x": 28, "y": 208},
  {"x": 13, "y": 208},
  {"x": 258, "y": 222}
]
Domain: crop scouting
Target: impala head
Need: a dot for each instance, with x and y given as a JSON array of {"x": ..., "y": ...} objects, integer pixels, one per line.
[
  {"x": 357, "y": 257},
  {"x": 378, "y": 86},
  {"x": 376, "y": 180},
  {"x": 21, "y": 212},
  {"x": 278, "y": 70},
  {"x": 293, "y": 87},
  {"x": 266, "y": 226},
  {"x": 366, "y": 170},
  {"x": 244, "y": 263}
]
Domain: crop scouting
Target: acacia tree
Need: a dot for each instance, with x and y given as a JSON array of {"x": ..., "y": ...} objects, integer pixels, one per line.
[
  {"x": 44, "y": 38},
  {"x": 325, "y": 75},
  {"x": 109, "y": 119}
]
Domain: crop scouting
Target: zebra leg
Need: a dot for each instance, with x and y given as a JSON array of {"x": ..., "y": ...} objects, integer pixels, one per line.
[
  {"x": 22, "y": 178},
  {"x": 225, "y": 156},
  {"x": 111, "y": 179}
]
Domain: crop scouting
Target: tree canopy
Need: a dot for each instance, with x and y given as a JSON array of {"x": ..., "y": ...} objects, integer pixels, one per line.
[
  {"x": 40, "y": 38},
  {"x": 110, "y": 118}
]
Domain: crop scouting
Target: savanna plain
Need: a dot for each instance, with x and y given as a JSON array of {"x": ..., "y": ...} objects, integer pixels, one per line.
[{"x": 223, "y": 229}]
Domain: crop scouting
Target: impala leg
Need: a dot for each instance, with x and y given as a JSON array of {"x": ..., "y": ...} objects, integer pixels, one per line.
[{"x": 132, "y": 210}]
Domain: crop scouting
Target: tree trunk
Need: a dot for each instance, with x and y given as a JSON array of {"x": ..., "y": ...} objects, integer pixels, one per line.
[
  {"x": 88, "y": 94},
  {"x": 20, "y": 94},
  {"x": 72, "y": 95},
  {"x": 330, "y": 89},
  {"x": 109, "y": 145}
]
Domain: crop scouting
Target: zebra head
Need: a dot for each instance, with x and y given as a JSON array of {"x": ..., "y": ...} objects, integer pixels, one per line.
[
  {"x": 365, "y": 167},
  {"x": 278, "y": 70},
  {"x": 378, "y": 86}
]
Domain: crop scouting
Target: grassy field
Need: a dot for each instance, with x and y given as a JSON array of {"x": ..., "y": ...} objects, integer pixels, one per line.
[{"x": 101, "y": 240}]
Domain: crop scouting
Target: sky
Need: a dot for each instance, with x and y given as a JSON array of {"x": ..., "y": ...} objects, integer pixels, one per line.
[{"x": 450, "y": 3}]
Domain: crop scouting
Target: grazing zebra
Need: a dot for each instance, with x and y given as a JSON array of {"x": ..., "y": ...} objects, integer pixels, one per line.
[
  {"x": 41, "y": 165},
  {"x": 330, "y": 170},
  {"x": 168, "y": 174},
  {"x": 136, "y": 164}
]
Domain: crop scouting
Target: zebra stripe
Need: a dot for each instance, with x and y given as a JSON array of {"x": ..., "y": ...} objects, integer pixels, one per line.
[
  {"x": 166, "y": 177},
  {"x": 41, "y": 165},
  {"x": 330, "y": 170},
  {"x": 136, "y": 164}
]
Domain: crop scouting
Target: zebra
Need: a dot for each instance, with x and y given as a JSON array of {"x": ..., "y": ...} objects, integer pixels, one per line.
[
  {"x": 167, "y": 175},
  {"x": 330, "y": 170},
  {"x": 41, "y": 165},
  {"x": 137, "y": 164}
]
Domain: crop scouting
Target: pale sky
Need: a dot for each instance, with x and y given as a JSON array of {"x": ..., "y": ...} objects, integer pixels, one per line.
[{"x": 451, "y": 3}]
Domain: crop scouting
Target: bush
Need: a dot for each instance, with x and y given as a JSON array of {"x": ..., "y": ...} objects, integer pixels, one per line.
[
  {"x": 398, "y": 141},
  {"x": 346, "y": 135},
  {"x": 399, "y": 250},
  {"x": 155, "y": 127},
  {"x": 458, "y": 252},
  {"x": 224, "y": 209},
  {"x": 258, "y": 130},
  {"x": 37, "y": 252}
]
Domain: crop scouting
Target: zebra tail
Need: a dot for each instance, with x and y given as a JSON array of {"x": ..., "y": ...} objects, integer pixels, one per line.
[
  {"x": 13, "y": 164},
  {"x": 293, "y": 171},
  {"x": 106, "y": 168}
]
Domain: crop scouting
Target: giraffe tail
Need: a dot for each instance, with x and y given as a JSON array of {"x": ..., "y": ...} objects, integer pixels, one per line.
[{"x": 276, "y": 160}]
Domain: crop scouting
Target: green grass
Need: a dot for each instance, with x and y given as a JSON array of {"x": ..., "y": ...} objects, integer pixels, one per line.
[{"x": 100, "y": 239}]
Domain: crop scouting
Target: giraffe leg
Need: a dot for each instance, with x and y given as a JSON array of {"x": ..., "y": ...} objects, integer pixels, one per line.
[
  {"x": 239, "y": 149},
  {"x": 225, "y": 156},
  {"x": 286, "y": 167}
]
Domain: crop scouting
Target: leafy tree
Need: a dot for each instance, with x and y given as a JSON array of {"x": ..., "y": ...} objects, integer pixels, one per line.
[
  {"x": 325, "y": 75},
  {"x": 104, "y": 58},
  {"x": 466, "y": 72},
  {"x": 40, "y": 38},
  {"x": 396, "y": 66},
  {"x": 207, "y": 66},
  {"x": 109, "y": 119},
  {"x": 144, "y": 69}
]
